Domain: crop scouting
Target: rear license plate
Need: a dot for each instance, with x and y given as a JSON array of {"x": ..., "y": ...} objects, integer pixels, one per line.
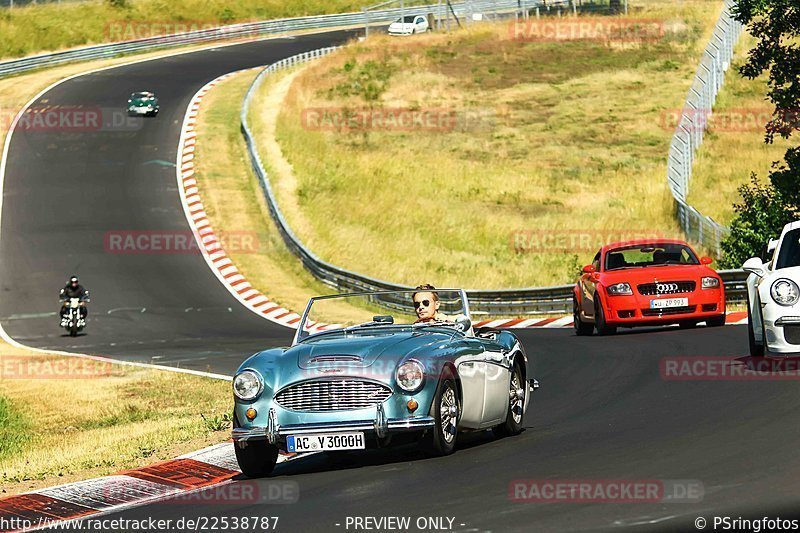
[
  {"x": 666, "y": 303},
  {"x": 326, "y": 442}
]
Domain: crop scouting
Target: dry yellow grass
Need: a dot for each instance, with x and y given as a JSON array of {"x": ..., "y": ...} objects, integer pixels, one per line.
[
  {"x": 69, "y": 418},
  {"x": 557, "y": 139},
  {"x": 734, "y": 147}
]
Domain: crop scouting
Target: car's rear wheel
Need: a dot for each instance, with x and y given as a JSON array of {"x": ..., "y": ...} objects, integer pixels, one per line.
[
  {"x": 441, "y": 438},
  {"x": 756, "y": 349},
  {"x": 581, "y": 328},
  {"x": 516, "y": 405},
  {"x": 256, "y": 458},
  {"x": 600, "y": 320}
]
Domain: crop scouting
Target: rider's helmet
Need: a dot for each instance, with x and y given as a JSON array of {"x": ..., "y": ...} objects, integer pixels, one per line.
[{"x": 73, "y": 281}]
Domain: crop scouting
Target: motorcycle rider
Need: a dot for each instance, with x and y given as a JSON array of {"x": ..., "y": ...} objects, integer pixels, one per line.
[{"x": 73, "y": 289}]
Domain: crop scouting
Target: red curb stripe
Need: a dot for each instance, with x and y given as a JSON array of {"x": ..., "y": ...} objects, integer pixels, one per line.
[
  {"x": 293, "y": 321},
  {"x": 37, "y": 506},
  {"x": 544, "y": 322},
  {"x": 183, "y": 473}
]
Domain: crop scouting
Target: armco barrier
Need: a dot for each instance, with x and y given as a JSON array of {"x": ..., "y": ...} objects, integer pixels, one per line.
[{"x": 511, "y": 302}]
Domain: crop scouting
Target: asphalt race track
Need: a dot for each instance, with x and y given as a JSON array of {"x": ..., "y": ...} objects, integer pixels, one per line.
[{"x": 604, "y": 412}]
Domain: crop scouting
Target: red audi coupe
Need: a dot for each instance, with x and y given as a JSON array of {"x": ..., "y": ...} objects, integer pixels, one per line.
[{"x": 646, "y": 283}]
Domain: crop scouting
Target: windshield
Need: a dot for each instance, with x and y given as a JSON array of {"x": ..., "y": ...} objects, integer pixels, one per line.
[
  {"x": 383, "y": 309},
  {"x": 789, "y": 254},
  {"x": 409, "y": 19},
  {"x": 141, "y": 96},
  {"x": 650, "y": 255}
]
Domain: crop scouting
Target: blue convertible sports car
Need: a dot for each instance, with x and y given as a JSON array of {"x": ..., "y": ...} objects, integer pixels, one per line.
[{"x": 398, "y": 366}]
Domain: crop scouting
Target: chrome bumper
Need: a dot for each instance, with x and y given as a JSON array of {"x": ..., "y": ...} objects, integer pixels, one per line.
[{"x": 381, "y": 426}]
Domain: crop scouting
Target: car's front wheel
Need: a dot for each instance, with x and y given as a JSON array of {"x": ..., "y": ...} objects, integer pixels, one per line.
[
  {"x": 600, "y": 320},
  {"x": 256, "y": 458},
  {"x": 716, "y": 321},
  {"x": 441, "y": 438},
  {"x": 516, "y": 405},
  {"x": 756, "y": 349}
]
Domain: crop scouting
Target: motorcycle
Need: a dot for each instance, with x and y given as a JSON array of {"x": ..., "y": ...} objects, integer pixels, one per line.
[{"x": 73, "y": 320}]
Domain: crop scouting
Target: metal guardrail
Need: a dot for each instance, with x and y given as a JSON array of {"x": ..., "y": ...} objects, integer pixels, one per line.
[
  {"x": 238, "y": 31},
  {"x": 517, "y": 302},
  {"x": 691, "y": 128}
]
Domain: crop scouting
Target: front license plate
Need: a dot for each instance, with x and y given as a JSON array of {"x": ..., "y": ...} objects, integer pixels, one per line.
[
  {"x": 326, "y": 442},
  {"x": 666, "y": 303}
]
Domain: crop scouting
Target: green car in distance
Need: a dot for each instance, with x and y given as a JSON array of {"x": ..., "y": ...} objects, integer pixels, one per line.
[{"x": 143, "y": 103}]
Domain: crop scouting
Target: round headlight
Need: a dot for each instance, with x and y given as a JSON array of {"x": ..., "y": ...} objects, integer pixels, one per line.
[
  {"x": 247, "y": 385},
  {"x": 410, "y": 375},
  {"x": 785, "y": 292}
]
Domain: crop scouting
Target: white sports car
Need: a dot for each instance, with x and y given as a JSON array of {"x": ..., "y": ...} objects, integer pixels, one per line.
[{"x": 773, "y": 297}]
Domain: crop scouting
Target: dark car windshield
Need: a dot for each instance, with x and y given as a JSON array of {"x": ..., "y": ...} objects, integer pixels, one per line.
[
  {"x": 789, "y": 255},
  {"x": 408, "y": 19},
  {"x": 650, "y": 255}
]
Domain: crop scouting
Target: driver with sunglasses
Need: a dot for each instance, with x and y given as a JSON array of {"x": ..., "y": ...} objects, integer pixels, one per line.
[{"x": 426, "y": 305}]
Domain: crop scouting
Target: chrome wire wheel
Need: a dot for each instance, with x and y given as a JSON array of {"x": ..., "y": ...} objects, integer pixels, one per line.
[
  {"x": 448, "y": 413},
  {"x": 516, "y": 397}
]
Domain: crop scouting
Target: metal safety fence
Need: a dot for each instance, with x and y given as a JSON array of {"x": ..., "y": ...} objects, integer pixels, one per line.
[{"x": 691, "y": 128}]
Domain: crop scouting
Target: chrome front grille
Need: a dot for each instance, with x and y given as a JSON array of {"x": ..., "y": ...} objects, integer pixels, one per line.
[
  {"x": 343, "y": 394},
  {"x": 666, "y": 287}
]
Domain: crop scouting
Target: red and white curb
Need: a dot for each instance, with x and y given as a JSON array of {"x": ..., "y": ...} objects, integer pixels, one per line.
[
  {"x": 209, "y": 243},
  {"x": 167, "y": 480}
]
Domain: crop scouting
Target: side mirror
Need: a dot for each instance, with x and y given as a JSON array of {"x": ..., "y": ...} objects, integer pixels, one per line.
[
  {"x": 705, "y": 260},
  {"x": 588, "y": 269},
  {"x": 463, "y": 324},
  {"x": 754, "y": 266}
]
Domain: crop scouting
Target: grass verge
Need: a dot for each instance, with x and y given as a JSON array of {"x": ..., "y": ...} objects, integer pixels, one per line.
[
  {"x": 557, "y": 147},
  {"x": 63, "y": 418}
]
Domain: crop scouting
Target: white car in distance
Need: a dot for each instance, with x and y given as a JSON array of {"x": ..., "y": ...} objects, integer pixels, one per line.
[
  {"x": 773, "y": 297},
  {"x": 409, "y": 25}
]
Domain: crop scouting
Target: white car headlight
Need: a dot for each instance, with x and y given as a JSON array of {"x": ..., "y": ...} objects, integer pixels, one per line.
[
  {"x": 410, "y": 375},
  {"x": 710, "y": 282},
  {"x": 247, "y": 385},
  {"x": 785, "y": 292},
  {"x": 620, "y": 289}
]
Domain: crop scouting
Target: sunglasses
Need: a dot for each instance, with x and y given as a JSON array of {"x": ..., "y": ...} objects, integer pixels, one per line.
[{"x": 423, "y": 303}]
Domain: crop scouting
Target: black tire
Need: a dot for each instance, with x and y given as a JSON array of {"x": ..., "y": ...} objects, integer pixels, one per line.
[
  {"x": 581, "y": 328},
  {"x": 756, "y": 350},
  {"x": 73, "y": 329},
  {"x": 600, "y": 320},
  {"x": 716, "y": 321},
  {"x": 256, "y": 458},
  {"x": 439, "y": 441},
  {"x": 516, "y": 406}
]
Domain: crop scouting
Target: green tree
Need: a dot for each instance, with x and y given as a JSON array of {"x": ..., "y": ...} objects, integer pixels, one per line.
[{"x": 766, "y": 208}]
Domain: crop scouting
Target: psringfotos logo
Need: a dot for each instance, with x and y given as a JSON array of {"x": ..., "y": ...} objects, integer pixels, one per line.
[
  {"x": 178, "y": 242},
  {"x": 33, "y": 367},
  {"x": 754, "y": 119},
  {"x": 541, "y": 241},
  {"x": 606, "y": 491},
  {"x": 603, "y": 29}
]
